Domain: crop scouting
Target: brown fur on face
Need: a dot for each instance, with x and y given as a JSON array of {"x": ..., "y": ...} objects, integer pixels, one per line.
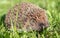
[{"x": 27, "y": 16}]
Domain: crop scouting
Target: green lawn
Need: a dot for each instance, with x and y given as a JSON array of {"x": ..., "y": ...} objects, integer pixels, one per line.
[{"x": 53, "y": 12}]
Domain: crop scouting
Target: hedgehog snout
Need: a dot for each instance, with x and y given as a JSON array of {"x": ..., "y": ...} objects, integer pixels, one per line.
[{"x": 42, "y": 25}]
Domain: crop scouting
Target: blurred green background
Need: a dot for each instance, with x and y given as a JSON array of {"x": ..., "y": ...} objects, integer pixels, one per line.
[{"x": 52, "y": 8}]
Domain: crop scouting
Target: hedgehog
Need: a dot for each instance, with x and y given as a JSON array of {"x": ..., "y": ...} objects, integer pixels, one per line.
[{"x": 27, "y": 16}]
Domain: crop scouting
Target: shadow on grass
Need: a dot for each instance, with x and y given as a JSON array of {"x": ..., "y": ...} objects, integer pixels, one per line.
[{"x": 2, "y": 18}]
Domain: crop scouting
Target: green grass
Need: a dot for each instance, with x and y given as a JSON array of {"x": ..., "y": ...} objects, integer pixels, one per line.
[{"x": 53, "y": 12}]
